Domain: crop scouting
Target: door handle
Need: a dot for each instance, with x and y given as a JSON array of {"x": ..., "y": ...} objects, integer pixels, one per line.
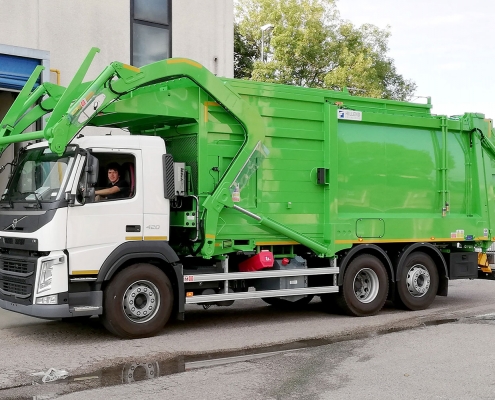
[{"x": 133, "y": 228}]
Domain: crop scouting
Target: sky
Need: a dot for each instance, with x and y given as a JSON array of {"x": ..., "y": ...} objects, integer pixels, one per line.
[{"x": 447, "y": 47}]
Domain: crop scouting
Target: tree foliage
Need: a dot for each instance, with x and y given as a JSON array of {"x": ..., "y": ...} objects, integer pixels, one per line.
[
  {"x": 312, "y": 46},
  {"x": 245, "y": 53}
]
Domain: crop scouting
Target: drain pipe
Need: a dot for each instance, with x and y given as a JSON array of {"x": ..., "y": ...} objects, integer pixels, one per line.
[{"x": 56, "y": 71}]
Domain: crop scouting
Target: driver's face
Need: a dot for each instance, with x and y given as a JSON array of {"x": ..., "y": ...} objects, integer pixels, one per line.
[{"x": 113, "y": 176}]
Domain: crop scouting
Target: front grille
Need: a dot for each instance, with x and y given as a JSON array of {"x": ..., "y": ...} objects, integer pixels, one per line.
[
  {"x": 17, "y": 266},
  {"x": 17, "y": 278},
  {"x": 13, "y": 288},
  {"x": 18, "y": 241}
]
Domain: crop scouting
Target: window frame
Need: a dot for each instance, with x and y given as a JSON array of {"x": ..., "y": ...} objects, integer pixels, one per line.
[
  {"x": 152, "y": 24},
  {"x": 104, "y": 157}
]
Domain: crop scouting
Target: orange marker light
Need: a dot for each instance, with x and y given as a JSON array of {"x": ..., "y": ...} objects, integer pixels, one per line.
[
  {"x": 189, "y": 294},
  {"x": 360, "y": 239}
]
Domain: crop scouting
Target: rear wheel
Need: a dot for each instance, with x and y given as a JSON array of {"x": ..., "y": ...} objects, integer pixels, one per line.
[
  {"x": 418, "y": 282},
  {"x": 365, "y": 287},
  {"x": 137, "y": 302}
]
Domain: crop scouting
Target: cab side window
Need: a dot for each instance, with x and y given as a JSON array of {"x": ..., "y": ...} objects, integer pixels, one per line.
[{"x": 116, "y": 177}]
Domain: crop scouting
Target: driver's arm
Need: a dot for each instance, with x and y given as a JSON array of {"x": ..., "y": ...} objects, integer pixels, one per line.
[{"x": 107, "y": 191}]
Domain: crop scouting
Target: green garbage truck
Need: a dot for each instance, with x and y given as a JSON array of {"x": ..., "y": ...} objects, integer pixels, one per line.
[{"x": 152, "y": 188}]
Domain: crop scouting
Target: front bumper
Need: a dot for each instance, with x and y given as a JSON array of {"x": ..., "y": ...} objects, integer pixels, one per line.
[
  {"x": 90, "y": 304},
  {"x": 54, "y": 311}
]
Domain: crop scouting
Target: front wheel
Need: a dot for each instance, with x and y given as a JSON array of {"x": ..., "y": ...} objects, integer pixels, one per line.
[
  {"x": 365, "y": 287},
  {"x": 418, "y": 282},
  {"x": 137, "y": 302}
]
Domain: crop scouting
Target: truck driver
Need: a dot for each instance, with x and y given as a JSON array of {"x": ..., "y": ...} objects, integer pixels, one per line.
[{"x": 117, "y": 187}]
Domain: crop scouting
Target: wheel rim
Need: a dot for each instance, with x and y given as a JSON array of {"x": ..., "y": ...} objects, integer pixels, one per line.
[
  {"x": 366, "y": 285},
  {"x": 418, "y": 280},
  {"x": 136, "y": 372},
  {"x": 141, "y": 301}
]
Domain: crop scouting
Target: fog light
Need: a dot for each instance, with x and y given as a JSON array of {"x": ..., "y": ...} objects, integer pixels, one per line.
[{"x": 52, "y": 299}]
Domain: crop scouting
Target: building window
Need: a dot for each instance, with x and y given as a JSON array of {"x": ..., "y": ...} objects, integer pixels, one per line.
[{"x": 151, "y": 39}]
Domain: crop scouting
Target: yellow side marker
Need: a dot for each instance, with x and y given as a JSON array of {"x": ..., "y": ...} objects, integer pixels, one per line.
[
  {"x": 361, "y": 240},
  {"x": 85, "y": 272},
  {"x": 185, "y": 61},
  {"x": 131, "y": 67},
  {"x": 155, "y": 238},
  {"x": 133, "y": 238}
]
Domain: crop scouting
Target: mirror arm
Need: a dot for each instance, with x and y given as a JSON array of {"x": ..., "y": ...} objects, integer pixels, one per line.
[
  {"x": 90, "y": 196},
  {"x": 70, "y": 198}
]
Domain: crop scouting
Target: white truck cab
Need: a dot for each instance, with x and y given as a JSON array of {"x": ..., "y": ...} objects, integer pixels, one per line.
[{"x": 59, "y": 244}]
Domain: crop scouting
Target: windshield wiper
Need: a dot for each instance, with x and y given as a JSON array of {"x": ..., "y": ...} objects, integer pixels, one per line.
[{"x": 38, "y": 201}]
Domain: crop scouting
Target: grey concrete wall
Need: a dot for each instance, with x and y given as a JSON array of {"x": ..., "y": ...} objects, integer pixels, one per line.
[
  {"x": 68, "y": 30},
  {"x": 203, "y": 30}
]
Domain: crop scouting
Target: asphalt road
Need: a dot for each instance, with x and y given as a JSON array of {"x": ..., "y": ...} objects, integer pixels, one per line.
[
  {"x": 378, "y": 345},
  {"x": 447, "y": 362}
]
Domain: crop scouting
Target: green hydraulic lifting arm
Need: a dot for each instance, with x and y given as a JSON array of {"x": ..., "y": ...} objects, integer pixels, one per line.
[
  {"x": 26, "y": 109},
  {"x": 77, "y": 107},
  {"x": 30, "y": 105}
]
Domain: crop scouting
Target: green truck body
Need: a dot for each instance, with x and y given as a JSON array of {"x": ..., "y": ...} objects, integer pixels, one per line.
[{"x": 296, "y": 171}]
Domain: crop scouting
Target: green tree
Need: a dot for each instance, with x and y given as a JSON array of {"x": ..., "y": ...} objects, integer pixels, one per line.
[
  {"x": 312, "y": 46},
  {"x": 245, "y": 53}
]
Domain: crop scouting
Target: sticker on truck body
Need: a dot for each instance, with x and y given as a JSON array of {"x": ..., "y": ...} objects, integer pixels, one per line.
[
  {"x": 458, "y": 234},
  {"x": 351, "y": 115}
]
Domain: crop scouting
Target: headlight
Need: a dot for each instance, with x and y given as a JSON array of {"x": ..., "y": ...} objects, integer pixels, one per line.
[{"x": 46, "y": 272}]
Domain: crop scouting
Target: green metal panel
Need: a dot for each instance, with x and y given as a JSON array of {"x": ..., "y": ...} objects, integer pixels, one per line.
[
  {"x": 396, "y": 168},
  {"x": 395, "y": 174},
  {"x": 370, "y": 228}
]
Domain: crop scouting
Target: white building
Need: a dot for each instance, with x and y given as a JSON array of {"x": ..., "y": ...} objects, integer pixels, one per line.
[{"x": 58, "y": 34}]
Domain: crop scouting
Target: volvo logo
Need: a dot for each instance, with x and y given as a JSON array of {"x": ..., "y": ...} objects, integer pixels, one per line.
[{"x": 14, "y": 223}]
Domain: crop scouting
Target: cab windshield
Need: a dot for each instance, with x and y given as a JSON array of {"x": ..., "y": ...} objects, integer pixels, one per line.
[{"x": 39, "y": 176}]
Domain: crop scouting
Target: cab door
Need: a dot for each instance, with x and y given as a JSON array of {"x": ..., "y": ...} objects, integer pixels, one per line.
[{"x": 95, "y": 229}]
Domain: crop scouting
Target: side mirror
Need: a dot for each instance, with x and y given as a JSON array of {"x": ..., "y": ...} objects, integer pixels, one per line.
[{"x": 92, "y": 167}]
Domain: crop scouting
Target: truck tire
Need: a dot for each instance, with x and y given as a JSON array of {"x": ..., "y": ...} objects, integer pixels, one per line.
[
  {"x": 138, "y": 302},
  {"x": 418, "y": 282},
  {"x": 365, "y": 287}
]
